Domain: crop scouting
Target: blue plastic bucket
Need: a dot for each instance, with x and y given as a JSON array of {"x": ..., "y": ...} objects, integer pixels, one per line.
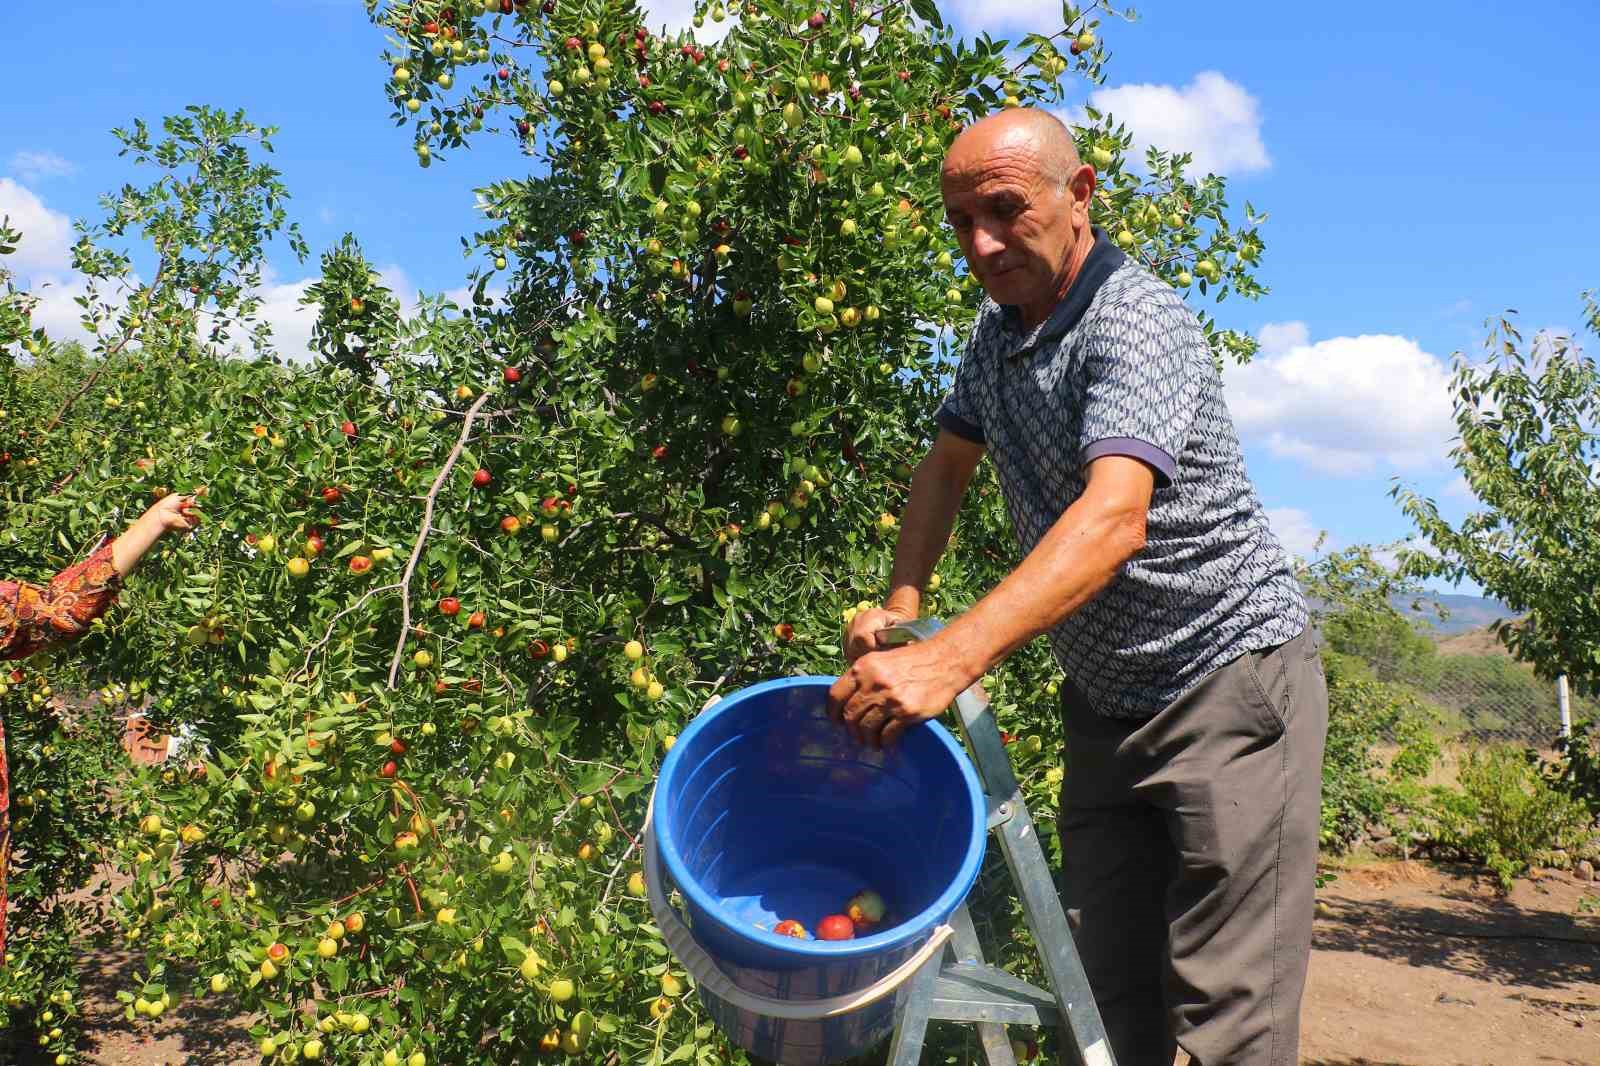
[{"x": 766, "y": 810}]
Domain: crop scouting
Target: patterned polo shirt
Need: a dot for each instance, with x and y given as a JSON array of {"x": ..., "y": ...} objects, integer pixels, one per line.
[{"x": 1122, "y": 367}]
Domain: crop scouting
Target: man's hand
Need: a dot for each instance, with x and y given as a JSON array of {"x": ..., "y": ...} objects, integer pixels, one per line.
[
  {"x": 887, "y": 692},
  {"x": 862, "y": 634}
]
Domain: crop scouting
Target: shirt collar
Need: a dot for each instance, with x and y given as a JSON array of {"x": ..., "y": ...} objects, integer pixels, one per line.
[{"x": 1104, "y": 259}]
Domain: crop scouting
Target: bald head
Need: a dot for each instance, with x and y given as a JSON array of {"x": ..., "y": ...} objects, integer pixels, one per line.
[
  {"x": 1017, "y": 197},
  {"x": 1024, "y": 133}
]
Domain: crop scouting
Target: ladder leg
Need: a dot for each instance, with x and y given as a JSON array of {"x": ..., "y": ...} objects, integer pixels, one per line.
[
  {"x": 911, "y": 1032},
  {"x": 992, "y": 1035},
  {"x": 1019, "y": 842},
  {"x": 1041, "y": 903},
  {"x": 965, "y": 942}
]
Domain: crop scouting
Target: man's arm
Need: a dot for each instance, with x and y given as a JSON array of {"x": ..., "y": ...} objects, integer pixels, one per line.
[
  {"x": 882, "y": 695},
  {"x": 937, "y": 488},
  {"x": 1071, "y": 564}
]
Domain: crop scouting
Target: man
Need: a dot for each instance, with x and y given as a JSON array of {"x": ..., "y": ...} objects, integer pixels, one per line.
[{"x": 1195, "y": 707}]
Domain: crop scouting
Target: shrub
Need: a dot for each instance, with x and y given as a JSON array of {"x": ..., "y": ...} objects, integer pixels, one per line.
[
  {"x": 1504, "y": 814},
  {"x": 1575, "y": 772},
  {"x": 1357, "y": 791}
]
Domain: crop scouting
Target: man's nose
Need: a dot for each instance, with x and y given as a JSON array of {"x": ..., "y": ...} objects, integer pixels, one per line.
[{"x": 986, "y": 242}]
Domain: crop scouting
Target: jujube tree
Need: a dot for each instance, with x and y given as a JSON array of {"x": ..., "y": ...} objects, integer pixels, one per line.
[{"x": 466, "y": 571}]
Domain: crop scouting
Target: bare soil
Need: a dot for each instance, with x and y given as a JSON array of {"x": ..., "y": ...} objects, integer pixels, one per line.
[
  {"x": 1414, "y": 964},
  {"x": 1423, "y": 965},
  {"x": 192, "y": 1033}
]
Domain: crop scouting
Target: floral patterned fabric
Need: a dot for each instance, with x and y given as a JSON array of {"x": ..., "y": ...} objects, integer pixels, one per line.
[{"x": 33, "y": 618}]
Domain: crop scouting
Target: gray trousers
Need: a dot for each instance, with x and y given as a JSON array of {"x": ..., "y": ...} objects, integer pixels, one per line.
[{"x": 1189, "y": 853}]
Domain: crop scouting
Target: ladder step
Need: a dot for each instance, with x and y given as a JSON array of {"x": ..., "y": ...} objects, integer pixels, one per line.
[{"x": 974, "y": 992}]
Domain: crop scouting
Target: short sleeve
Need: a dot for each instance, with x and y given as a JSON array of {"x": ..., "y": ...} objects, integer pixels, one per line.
[
  {"x": 960, "y": 412},
  {"x": 1145, "y": 365}
]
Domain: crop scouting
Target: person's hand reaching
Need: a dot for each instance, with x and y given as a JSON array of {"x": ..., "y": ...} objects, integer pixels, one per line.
[{"x": 174, "y": 513}]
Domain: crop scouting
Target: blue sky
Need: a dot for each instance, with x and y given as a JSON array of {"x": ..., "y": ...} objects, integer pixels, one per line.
[{"x": 1425, "y": 166}]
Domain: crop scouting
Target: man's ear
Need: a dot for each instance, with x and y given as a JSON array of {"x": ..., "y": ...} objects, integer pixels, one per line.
[{"x": 1081, "y": 188}]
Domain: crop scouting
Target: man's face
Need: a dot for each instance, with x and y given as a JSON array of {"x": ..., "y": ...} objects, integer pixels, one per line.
[{"x": 1015, "y": 225}]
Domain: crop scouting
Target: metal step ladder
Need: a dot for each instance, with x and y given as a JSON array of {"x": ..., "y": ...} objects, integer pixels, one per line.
[{"x": 966, "y": 989}]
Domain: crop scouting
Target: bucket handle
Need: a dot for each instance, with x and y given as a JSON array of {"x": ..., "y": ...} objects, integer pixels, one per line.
[{"x": 707, "y": 974}]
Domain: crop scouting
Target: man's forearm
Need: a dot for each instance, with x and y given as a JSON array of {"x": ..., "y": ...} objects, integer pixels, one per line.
[
  {"x": 924, "y": 533},
  {"x": 1078, "y": 557}
]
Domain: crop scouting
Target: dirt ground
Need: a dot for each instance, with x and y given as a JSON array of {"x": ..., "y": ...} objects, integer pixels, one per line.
[
  {"x": 1414, "y": 965},
  {"x": 1420, "y": 965}
]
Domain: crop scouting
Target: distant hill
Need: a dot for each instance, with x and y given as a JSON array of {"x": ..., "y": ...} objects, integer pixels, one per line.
[
  {"x": 1474, "y": 642},
  {"x": 1463, "y": 613}
]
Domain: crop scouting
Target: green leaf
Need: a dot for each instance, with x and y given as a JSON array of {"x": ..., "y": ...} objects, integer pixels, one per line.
[
  {"x": 629, "y": 785},
  {"x": 928, "y": 11}
]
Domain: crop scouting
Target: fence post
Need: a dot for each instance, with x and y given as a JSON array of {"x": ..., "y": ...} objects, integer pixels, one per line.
[{"x": 1565, "y": 703}]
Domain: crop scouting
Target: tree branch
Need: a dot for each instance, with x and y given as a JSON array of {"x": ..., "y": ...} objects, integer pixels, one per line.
[
  {"x": 304, "y": 667},
  {"x": 422, "y": 535}
]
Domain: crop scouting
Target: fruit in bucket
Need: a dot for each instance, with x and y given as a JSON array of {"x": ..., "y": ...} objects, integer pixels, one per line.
[
  {"x": 836, "y": 927},
  {"x": 790, "y": 927},
  {"x": 865, "y": 909}
]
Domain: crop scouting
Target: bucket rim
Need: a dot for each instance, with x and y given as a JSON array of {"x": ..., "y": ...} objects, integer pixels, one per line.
[{"x": 905, "y": 933}]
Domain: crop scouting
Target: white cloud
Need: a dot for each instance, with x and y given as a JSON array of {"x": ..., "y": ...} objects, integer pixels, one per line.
[
  {"x": 44, "y": 261},
  {"x": 46, "y": 247},
  {"x": 291, "y": 321},
  {"x": 402, "y": 286},
  {"x": 1346, "y": 406},
  {"x": 1279, "y": 337},
  {"x": 1295, "y": 531},
  {"x": 34, "y": 166},
  {"x": 1460, "y": 490},
  {"x": 55, "y": 312},
  {"x": 679, "y": 15},
  {"x": 1548, "y": 340},
  {"x": 1212, "y": 118},
  {"x": 461, "y": 295}
]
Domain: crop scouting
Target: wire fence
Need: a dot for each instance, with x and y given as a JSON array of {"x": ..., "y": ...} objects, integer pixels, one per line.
[{"x": 1483, "y": 699}]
